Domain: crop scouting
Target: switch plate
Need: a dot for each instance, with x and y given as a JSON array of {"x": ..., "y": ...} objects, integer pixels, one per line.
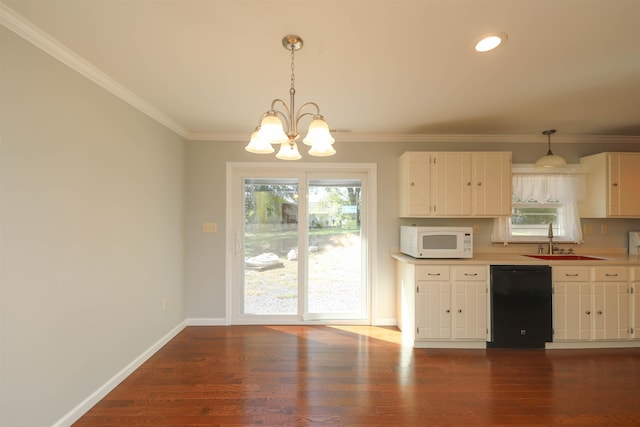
[
  {"x": 165, "y": 304},
  {"x": 209, "y": 227},
  {"x": 588, "y": 229},
  {"x": 476, "y": 228}
]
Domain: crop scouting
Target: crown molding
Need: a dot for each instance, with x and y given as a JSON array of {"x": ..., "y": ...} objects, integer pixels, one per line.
[
  {"x": 437, "y": 138},
  {"x": 13, "y": 21}
]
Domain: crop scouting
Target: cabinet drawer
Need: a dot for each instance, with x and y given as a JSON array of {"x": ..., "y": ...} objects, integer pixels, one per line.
[
  {"x": 570, "y": 274},
  {"x": 610, "y": 274},
  {"x": 471, "y": 272},
  {"x": 432, "y": 272},
  {"x": 635, "y": 274}
]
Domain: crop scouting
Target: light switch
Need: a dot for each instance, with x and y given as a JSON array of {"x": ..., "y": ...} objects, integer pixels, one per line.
[{"x": 210, "y": 227}]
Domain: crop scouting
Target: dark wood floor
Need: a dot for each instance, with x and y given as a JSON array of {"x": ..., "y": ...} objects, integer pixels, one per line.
[{"x": 361, "y": 376}]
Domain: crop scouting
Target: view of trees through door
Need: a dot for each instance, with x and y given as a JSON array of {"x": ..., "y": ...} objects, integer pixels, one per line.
[{"x": 303, "y": 259}]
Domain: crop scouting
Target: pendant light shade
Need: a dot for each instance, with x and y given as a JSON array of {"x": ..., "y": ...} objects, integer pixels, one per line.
[
  {"x": 322, "y": 150},
  {"x": 271, "y": 129},
  {"x": 259, "y": 146},
  {"x": 288, "y": 151},
  {"x": 550, "y": 160},
  {"x": 318, "y": 133}
]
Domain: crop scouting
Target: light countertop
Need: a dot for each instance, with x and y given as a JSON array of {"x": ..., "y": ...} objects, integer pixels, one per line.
[{"x": 516, "y": 259}]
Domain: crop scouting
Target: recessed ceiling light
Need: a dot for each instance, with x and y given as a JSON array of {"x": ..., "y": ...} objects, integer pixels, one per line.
[{"x": 490, "y": 42}]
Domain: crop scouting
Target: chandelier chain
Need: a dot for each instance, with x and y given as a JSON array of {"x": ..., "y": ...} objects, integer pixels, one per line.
[{"x": 293, "y": 77}]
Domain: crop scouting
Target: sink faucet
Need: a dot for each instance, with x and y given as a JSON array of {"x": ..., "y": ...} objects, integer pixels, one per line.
[{"x": 550, "y": 236}]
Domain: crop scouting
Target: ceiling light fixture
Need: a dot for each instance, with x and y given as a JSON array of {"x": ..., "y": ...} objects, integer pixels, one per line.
[
  {"x": 490, "y": 42},
  {"x": 271, "y": 130},
  {"x": 550, "y": 160}
]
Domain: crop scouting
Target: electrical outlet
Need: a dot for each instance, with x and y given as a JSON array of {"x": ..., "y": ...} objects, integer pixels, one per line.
[
  {"x": 476, "y": 228},
  {"x": 209, "y": 227},
  {"x": 603, "y": 229},
  {"x": 588, "y": 228}
]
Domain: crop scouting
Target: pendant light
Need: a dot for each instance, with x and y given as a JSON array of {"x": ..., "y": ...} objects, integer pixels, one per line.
[
  {"x": 272, "y": 131},
  {"x": 550, "y": 160}
]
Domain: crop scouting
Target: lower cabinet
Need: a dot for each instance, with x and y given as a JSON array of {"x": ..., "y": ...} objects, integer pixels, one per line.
[
  {"x": 449, "y": 304},
  {"x": 591, "y": 303},
  {"x": 635, "y": 303}
]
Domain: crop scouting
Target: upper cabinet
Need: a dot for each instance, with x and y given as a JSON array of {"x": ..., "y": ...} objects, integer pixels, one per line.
[
  {"x": 455, "y": 184},
  {"x": 613, "y": 185}
]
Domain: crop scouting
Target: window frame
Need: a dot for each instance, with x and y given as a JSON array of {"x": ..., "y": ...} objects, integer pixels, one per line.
[{"x": 559, "y": 227}]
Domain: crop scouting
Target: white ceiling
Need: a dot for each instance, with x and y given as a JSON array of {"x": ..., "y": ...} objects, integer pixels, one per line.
[{"x": 209, "y": 69}]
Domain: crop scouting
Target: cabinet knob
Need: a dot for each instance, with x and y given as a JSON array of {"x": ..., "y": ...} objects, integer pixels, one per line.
[
  {"x": 468, "y": 183},
  {"x": 459, "y": 311},
  {"x": 448, "y": 311},
  {"x": 413, "y": 183},
  {"x": 479, "y": 184},
  {"x": 587, "y": 312},
  {"x": 615, "y": 184},
  {"x": 599, "y": 311}
]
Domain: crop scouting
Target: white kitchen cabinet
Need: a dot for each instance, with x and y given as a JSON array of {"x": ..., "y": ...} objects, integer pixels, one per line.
[
  {"x": 591, "y": 303},
  {"x": 572, "y": 303},
  {"x": 448, "y": 305},
  {"x": 469, "y": 308},
  {"x": 414, "y": 172},
  {"x": 455, "y": 184},
  {"x": 634, "y": 306},
  {"x": 452, "y": 184},
  {"x": 611, "y": 302},
  {"x": 613, "y": 185},
  {"x": 492, "y": 193}
]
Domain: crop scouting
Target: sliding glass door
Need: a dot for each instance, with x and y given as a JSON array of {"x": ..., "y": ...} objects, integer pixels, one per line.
[
  {"x": 270, "y": 272},
  {"x": 335, "y": 282},
  {"x": 299, "y": 247}
]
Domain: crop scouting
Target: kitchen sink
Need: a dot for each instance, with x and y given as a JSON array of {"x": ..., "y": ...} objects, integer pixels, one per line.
[{"x": 566, "y": 257}]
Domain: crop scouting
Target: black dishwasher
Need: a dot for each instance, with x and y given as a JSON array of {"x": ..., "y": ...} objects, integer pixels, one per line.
[{"x": 521, "y": 306}]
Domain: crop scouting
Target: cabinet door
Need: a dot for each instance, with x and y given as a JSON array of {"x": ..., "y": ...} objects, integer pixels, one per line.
[
  {"x": 613, "y": 199},
  {"x": 470, "y": 310},
  {"x": 492, "y": 184},
  {"x": 415, "y": 184},
  {"x": 628, "y": 184},
  {"x": 452, "y": 184},
  {"x": 611, "y": 311},
  {"x": 433, "y": 310},
  {"x": 634, "y": 306},
  {"x": 572, "y": 311}
]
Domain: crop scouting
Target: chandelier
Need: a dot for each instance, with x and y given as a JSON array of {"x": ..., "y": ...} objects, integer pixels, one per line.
[{"x": 271, "y": 130}]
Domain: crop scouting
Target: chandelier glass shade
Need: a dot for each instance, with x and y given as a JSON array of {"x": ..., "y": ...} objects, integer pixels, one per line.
[
  {"x": 550, "y": 160},
  {"x": 272, "y": 131}
]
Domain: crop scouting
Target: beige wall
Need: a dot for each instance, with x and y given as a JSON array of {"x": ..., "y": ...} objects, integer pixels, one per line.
[{"x": 92, "y": 235}]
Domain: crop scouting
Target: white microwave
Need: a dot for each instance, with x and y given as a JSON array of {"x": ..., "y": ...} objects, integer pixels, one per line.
[{"x": 436, "y": 242}]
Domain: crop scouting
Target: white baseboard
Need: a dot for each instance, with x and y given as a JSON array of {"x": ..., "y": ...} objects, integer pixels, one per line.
[
  {"x": 84, "y": 406},
  {"x": 391, "y": 321},
  {"x": 207, "y": 321}
]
